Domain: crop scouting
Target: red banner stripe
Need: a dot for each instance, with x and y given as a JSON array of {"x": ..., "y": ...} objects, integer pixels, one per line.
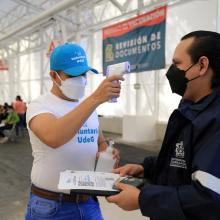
[{"x": 148, "y": 19}]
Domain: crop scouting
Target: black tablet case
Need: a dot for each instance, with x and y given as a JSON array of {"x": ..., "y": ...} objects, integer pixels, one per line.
[{"x": 134, "y": 181}]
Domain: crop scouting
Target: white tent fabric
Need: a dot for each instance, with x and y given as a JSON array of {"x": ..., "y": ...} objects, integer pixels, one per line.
[{"x": 27, "y": 28}]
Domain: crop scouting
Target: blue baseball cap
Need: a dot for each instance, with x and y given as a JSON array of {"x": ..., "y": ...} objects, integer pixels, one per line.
[{"x": 71, "y": 59}]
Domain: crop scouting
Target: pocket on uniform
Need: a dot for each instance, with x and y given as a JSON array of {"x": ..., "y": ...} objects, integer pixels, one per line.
[{"x": 43, "y": 208}]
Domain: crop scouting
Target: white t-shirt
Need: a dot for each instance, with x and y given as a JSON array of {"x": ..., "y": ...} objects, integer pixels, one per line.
[{"x": 77, "y": 154}]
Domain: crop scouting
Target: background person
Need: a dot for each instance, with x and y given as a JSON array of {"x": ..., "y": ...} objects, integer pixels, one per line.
[
  {"x": 3, "y": 113},
  {"x": 11, "y": 119},
  {"x": 20, "y": 108},
  {"x": 185, "y": 178}
]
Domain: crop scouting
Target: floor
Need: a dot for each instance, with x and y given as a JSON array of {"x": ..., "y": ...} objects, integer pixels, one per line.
[{"x": 15, "y": 166}]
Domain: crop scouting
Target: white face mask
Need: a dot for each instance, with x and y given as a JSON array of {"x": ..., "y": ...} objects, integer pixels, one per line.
[{"x": 73, "y": 88}]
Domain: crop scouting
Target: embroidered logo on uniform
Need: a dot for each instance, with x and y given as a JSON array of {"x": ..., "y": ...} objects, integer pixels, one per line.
[
  {"x": 178, "y": 160},
  {"x": 180, "y": 150}
]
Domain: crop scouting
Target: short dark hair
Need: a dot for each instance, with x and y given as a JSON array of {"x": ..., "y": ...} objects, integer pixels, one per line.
[
  {"x": 206, "y": 43},
  {"x": 18, "y": 97}
]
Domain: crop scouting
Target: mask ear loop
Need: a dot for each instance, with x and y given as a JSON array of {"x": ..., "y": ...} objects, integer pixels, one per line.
[
  {"x": 59, "y": 79},
  {"x": 189, "y": 69},
  {"x": 85, "y": 79}
]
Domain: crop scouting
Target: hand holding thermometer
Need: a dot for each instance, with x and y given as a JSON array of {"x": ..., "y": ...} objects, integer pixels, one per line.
[{"x": 118, "y": 69}]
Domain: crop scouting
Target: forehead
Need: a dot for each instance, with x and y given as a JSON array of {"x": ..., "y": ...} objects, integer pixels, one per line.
[{"x": 180, "y": 52}]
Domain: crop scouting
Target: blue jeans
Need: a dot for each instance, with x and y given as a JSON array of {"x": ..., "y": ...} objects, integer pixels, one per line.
[{"x": 40, "y": 208}]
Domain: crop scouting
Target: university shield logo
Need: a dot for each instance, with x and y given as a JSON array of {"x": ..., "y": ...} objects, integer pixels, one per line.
[{"x": 180, "y": 150}]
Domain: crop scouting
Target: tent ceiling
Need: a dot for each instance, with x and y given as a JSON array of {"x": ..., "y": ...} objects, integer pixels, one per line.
[
  {"x": 16, "y": 12},
  {"x": 23, "y": 19}
]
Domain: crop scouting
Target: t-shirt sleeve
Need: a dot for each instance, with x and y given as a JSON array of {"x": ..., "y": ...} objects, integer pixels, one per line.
[{"x": 34, "y": 109}]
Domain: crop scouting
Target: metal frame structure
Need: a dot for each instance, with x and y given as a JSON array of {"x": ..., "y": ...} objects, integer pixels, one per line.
[
  {"x": 30, "y": 26},
  {"x": 218, "y": 17}
]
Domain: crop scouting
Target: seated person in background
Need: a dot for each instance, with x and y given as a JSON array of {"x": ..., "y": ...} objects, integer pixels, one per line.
[
  {"x": 6, "y": 105},
  {"x": 12, "y": 118},
  {"x": 3, "y": 113}
]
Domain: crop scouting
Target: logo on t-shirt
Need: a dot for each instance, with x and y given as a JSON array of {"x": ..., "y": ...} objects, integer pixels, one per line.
[{"x": 86, "y": 134}]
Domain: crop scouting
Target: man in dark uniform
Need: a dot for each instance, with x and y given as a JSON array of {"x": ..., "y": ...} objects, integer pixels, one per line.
[{"x": 185, "y": 177}]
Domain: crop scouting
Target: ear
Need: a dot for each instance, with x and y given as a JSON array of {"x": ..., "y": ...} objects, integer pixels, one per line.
[{"x": 204, "y": 65}]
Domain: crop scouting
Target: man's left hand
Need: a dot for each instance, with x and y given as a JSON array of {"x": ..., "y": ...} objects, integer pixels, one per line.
[{"x": 127, "y": 199}]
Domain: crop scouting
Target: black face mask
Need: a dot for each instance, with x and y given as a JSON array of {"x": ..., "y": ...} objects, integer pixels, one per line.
[{"x": 178, "y": 81}]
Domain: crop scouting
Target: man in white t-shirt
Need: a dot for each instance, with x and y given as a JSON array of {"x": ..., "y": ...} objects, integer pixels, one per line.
[{"x": 64, "y": 134}]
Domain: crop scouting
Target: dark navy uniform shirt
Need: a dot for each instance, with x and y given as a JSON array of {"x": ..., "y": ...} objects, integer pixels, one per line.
[{"x": 186, "y": 175}]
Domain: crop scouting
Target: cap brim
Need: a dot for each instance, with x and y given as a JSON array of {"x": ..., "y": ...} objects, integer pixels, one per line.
[{"x": 77, "y": 71}]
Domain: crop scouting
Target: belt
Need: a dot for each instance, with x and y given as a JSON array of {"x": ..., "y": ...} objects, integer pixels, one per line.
[{"x": 59, "y": 196}]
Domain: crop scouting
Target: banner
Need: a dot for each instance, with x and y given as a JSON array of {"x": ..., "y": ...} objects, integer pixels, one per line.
[
  {"x": 140, "y": 40},
  {"x": 3, "y": 64},
  {"x": 53, "y": 44}
]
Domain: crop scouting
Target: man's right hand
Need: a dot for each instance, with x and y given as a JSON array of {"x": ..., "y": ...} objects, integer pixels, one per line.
[
  {"x": 130, "y": 169},
  {"x": 108, "y": 89}
]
